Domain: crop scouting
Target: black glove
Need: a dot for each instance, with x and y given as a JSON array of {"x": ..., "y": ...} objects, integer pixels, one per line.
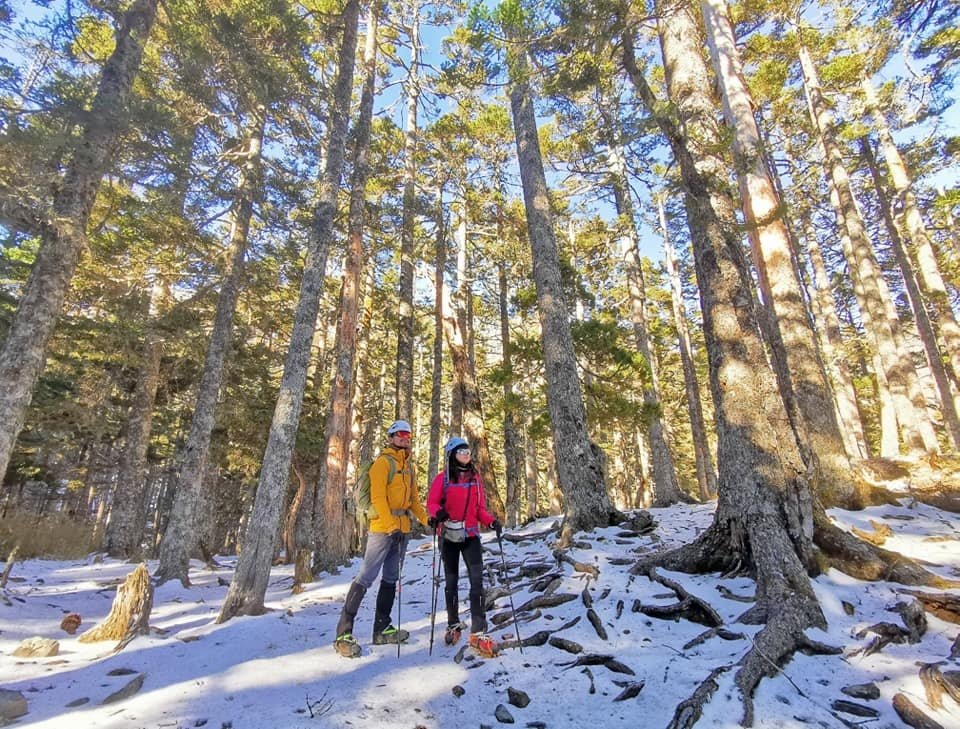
[
  {"x": 432, "y": 522},
  {"x": 497, "y": 527},
  {"x": 442, "y": 514},
  {"x": 396, "y": 535}
]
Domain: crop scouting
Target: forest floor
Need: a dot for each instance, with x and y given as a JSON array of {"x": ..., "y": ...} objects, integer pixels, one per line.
[{"x": 603, "y": 659}]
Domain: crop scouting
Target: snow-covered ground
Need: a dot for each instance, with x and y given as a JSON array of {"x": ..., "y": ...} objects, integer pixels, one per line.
[{"x": 279, "y": 670}]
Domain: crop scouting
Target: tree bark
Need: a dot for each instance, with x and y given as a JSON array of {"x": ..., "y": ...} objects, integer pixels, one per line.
[
  {"x": 706, "y": 473},
  {"x": 180, "y": 538},
  {"x": 405, "y": 328},
  {"x": 765, "y": 510},
  {"x": 338, "y": 521},
  {"x": 579, "y": 462},
  {"x": 63, "y": 233},
  {"x": 924, "y": 325},
  {"x": 473, "y": 425},
  {"x": 879, "y": 317},
  {"x": 512, "y": 445},
  {"x": 666, "y": 489},
  {"x": 249, "y": 584},
  {"x": 848, "y": 410},
  {"x": 125, "y": 530},
  {"x": 930, "y": 279},
  {"x": 819, "y": 433},
  {"x": 436, "y": 385}
]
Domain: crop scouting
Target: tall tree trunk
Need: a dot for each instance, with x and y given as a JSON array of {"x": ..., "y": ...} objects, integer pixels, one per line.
[
  {"x": 249, "y": 584},
  {"x": 405, "y": 328},
  {"x": 765, "y": 509},
  {"x": 531, "y": 475},
  {"x": 922, "y": 319},
  {"x": 872, "y": 294},
  {"x": 819, "y": 433},
  {"x": 436, "y": 385},
  {"x": 579, "y": 462},
  {"x": 666, "y": 488},
  {"x": 125, "y": 531},
  {"x": 703, "y": 460},
  {"x": 848, "y": 410},
  {"x": 512, "y": 446},
  {"x": 473, "y": 425},
  {"x": 63, "y": 234},
  {"x": 930, "y": 279},
  {"x": 180, "y": 538},
  {"x": 460, "y": 241},
  {"x": 338, "y": 517}
]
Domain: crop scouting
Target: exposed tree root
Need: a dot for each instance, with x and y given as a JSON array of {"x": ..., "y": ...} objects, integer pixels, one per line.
[
  {"x": 782, "y": 636},
  {"x": 712, "y": 633},
  {"x": 688, "y": 606},
  {"x": 865, "y": 561},
  {"x": 709, "y": 552},
  {"x": 785, "y": 603},
  {"x": 689, "y": 711}
]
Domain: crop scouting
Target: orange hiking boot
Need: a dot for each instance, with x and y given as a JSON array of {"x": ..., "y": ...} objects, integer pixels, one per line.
[{"x": 484, "y": 645}]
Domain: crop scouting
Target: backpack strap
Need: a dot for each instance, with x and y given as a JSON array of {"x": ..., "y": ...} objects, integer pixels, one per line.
[
  {"x": 390, "y": 476},
  {"x": 443, "y": 494}
]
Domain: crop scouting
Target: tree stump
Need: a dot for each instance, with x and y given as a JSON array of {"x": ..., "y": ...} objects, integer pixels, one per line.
[{"x": 130, "y": 614}]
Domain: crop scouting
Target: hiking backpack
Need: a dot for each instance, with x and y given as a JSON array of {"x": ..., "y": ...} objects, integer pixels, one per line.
[{"x": 362, "y": 489}]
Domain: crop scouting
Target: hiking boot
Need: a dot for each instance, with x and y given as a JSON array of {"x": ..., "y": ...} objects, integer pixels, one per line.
[
  {"x": 453, "y": 633},
  {"x": 346, "y": 645},
  {"x": 484, "y": 645},
  {"x": 390, "y": 635}
]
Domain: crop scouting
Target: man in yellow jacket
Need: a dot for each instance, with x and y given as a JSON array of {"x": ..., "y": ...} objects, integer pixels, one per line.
[{"x": 394, "y": 502}]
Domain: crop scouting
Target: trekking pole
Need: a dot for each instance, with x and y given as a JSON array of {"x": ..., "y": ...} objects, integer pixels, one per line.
[
  {"x": 399, "y": 594},
  {"x": 503, "y": 562},
  {"x": 435, "y": 574}
]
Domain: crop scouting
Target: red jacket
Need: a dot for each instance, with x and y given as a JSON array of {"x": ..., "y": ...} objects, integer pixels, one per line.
[{"x": 463, "y": 499}]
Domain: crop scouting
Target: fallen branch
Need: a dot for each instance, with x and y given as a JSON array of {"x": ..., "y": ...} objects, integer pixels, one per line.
[
  {"x": 596, "y": 659},
  {"x": 935, "y": 684},
  {"x": 590, "y": 569},
  {"x": 911, "y": 715},
  {"x": 881, "y": 532},
  {"x": 944, "y": 605},
  {"x": 597, "y": 624}
]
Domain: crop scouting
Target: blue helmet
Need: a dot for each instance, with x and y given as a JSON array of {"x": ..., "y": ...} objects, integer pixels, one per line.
[
  {"x": 453, "y": 444},
  {"x": 397, "y": 425}
]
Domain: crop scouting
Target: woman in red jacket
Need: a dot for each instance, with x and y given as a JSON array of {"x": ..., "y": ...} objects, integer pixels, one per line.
[{"x": 458, "y": 508}]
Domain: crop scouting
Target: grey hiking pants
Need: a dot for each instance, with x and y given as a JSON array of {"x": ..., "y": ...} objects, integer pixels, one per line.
[{"x": 384, "y": 551}]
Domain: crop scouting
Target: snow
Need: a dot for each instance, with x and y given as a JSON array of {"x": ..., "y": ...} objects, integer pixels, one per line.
[{"x": 279, "y": 670}]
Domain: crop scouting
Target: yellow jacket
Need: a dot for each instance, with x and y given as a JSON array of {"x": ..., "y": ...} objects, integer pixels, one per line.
[{"x": 394, "y": 502}]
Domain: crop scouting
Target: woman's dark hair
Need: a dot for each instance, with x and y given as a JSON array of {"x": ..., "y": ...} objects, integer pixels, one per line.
[{"x": 454, "y": 466}]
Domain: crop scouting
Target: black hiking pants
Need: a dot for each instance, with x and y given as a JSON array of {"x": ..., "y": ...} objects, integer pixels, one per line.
[{"x": 472, "y": 552}]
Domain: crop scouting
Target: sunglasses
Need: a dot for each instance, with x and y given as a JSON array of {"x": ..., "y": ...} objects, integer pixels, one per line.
[
  {"x": 462, "y": 452},
  {"x": 402, "y": 434}
]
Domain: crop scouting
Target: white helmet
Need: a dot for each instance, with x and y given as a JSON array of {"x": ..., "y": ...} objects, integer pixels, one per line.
[{"x": 399, "y": 425}]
